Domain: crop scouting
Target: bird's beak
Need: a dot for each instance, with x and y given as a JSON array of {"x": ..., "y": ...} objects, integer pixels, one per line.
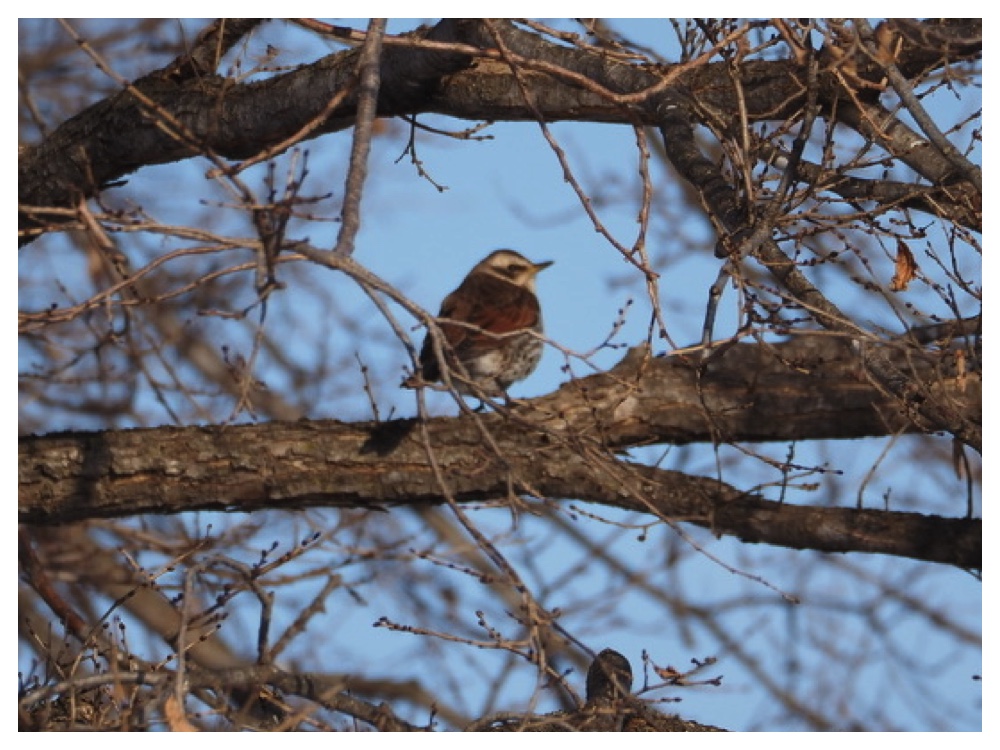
[{"x": 543, "y": 265}]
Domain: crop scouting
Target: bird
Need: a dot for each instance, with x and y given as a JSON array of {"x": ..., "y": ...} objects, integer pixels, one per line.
[
  {"x": 610, "y": 707},
  {"x": 491, "y": 326},
  {"x": 609, "y": 677}
]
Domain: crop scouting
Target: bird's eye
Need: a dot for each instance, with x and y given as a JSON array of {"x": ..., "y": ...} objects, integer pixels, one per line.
[{"x": 515, "y": 268}]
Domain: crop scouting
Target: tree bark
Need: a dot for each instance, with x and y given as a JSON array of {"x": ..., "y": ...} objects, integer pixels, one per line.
[
  {"x": 565, "y": 445},
  {"x": 209, "y": 113}
]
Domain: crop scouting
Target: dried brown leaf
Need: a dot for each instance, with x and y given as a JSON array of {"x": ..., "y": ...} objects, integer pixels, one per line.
[{"x": 906, "y": 268}]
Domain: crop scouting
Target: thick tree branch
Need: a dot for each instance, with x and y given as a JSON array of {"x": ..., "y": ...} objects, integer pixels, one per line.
[
  {"x": 237, "y": 121},
  {"x": 120, "y": 134},
  {"x": 558, "y": 445}
]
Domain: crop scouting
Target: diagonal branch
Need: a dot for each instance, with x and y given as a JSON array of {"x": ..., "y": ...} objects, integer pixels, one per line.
[
  {"x": 723, "y": 203},
  {"x": 90, "y": 150},
  {"x": 904, "y": 91}
]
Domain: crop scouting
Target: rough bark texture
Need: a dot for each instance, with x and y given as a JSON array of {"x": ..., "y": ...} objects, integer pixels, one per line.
[
  {"x": 557, "y": 446},
  {"x": 211, "y": 114},
  {"x": 119, "y": 135}
]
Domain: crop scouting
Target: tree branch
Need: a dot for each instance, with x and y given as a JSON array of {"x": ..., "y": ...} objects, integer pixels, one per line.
[
  {"x": 237, "y": 121},
  {"x": 231, "y": 120},
  {"x": 559, "y": 445}
]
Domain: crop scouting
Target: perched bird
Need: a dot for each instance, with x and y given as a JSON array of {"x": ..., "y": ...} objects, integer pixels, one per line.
[
  {"x": 488, "y": 325},
  {"x": 609, "y": 677},
  {"x": 610, "y": 707}
]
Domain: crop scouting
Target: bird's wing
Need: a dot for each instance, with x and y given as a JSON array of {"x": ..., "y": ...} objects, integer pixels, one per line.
[
  {"x": 492, "y": 305},
  {"x": 481, "y": 302}
]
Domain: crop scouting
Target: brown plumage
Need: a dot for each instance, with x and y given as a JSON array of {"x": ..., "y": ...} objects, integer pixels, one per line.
[
  {"x": 609, "y": 677},
  {"x": 495, "y": 309}
]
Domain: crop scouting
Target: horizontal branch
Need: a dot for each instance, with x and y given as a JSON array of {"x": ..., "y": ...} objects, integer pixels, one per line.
[
  {"x": 171, "y": 114},
  {"x": 559, "y": 446}
]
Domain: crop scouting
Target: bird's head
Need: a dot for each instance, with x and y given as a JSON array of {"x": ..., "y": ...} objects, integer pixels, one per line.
[{"x": 513, "y": 267}]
